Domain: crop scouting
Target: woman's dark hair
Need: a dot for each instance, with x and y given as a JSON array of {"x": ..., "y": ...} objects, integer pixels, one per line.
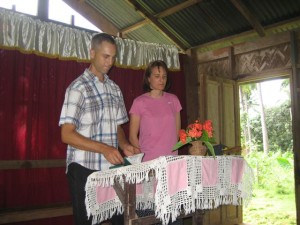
[
  {"x": 148, "y": 71},
  {"x": 100, "y": 37}
]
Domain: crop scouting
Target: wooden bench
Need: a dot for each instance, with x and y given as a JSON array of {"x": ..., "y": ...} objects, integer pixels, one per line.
[{"x": 35, "y": 213}]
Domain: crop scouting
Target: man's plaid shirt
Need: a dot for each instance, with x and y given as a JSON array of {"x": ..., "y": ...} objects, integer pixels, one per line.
[{"x": 96, "y": 109}]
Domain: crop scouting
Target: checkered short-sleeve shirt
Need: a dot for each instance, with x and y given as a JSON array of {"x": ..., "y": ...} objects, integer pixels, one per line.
[{"x": 96, "y": 109}]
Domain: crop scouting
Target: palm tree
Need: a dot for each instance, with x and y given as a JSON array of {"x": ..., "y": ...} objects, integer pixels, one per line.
[
  {"x": 263, "y": 121},
  {"x": 245, "y": 93}
]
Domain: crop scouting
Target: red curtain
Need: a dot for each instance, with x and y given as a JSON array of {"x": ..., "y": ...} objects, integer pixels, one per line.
[{"x": 32, "y": 91}]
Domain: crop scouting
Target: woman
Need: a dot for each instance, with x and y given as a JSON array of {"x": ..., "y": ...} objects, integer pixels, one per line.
[{"x": 155, "y": 115}]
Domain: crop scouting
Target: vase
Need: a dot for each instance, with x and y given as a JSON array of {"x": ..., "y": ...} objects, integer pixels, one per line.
[{"x": 197, "y": 148}]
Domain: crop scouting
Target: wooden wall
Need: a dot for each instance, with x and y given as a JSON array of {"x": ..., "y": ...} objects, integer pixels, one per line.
[
  {"x": 16, "y": 215},
  {"x": 212, "y": 80}
]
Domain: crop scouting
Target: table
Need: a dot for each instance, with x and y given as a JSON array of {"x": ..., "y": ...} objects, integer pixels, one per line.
[{"x": 181, "y": 184}]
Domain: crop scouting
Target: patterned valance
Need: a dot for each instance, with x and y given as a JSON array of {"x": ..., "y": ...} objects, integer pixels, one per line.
[{"x": 25, "y": 33}]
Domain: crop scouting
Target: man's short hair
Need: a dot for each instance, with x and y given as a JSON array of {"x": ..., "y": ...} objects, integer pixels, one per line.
[{"x": 100, "y": 37}]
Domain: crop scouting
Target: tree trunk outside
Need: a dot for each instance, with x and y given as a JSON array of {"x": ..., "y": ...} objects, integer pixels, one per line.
[
  {"x": 246, "y": 130},
  {"x": 263, "y": 121}
]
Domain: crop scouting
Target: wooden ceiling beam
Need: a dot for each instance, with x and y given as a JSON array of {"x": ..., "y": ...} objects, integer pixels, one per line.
[
  {"x": 177, "y": 8},
  {"x": 160, "y": 15},
  {"x": 93, "y": 16},
  {"x": 249, "y": 17},
  {"x": 134, "y": 26},
  {"x": 155, "y": 22}
]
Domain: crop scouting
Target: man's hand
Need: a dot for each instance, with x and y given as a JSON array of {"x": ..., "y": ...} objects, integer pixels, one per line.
[
  {"x": 113, "y": 155},
  {"x": 71, "y": 137}
]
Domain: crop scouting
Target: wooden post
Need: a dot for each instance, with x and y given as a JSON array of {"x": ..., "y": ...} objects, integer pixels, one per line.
[
  {"x": 295, "y": 97},
  {"x": 43, "y": 9},
  {"x": 128, "y": 198},
  {"x": 197, "y": 218}
]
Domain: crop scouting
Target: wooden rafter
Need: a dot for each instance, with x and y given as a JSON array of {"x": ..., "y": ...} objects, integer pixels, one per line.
[
  {"x": 154, "y": 21},
  {"x": 177, "y": 8},
  {"x": 160, "y": 15},
  {"x": 249, "y": 17},
  {"x": 134, "y": 26}
]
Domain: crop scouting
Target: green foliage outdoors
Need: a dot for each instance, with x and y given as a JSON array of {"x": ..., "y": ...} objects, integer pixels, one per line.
[
  {"x": 273, "y": 199},
  {"x": 278, "y": 122}
]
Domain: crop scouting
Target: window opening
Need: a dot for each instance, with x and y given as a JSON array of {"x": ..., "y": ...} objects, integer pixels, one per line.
[
  {"x": 58, "y": 11},
  {"x": 28, "y": 6},
  {"x": 61, "y": 12}
]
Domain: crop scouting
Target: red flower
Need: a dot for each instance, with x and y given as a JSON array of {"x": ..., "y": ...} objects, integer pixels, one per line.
[
  {"x": 182, "y": 136},
  {"x": 197, "y": 132},
  {"x": 194, "y": 133},
  {"x": 197, "y": 125},
  {"x": 207, "y": 125}
]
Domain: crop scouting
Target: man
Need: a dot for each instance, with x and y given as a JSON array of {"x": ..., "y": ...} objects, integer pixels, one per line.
[{"x": 90, "y": 121}]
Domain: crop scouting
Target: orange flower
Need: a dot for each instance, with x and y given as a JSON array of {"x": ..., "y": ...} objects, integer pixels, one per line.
[
  {"x": 197, "y": 132},
  {"x": 194, "y": 133},
  {"x": 198, "y": 125},
  {"x": 182, "y": 136},
  {"x": 208, "y": 127}
]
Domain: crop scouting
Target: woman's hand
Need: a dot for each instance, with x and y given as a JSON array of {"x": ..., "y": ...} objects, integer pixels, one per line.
[{"x": 130, "y": 150}]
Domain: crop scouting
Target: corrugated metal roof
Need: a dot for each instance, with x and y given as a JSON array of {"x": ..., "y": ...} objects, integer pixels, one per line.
[
  {"x": 148, "y": 33},
  {"x": 200, "y": 23},
  {"x": 119, "y": 12},
  {"x": 273, "y": 11}
]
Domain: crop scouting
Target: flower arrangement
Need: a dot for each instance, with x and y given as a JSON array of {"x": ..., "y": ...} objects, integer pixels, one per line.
[{"x": 197, "y": 132}]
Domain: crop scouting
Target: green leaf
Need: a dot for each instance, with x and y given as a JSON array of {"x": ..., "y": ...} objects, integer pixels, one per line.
[
  {"x": 283, "y": 162},
  {"x": 210, "y": 148},
  {"x": 204, "y": 136},
  {"x": 179, "y": 144}
]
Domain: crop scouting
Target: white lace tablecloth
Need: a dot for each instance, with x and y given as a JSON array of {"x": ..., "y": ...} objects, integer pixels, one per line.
[{"x": 180, "y": 182}]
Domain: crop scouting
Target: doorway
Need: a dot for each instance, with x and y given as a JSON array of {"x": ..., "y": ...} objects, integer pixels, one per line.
[{"x": 267, "y": 143}]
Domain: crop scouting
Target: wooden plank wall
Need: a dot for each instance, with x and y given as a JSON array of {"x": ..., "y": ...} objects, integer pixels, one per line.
[{"x": 8, "y": 216}]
